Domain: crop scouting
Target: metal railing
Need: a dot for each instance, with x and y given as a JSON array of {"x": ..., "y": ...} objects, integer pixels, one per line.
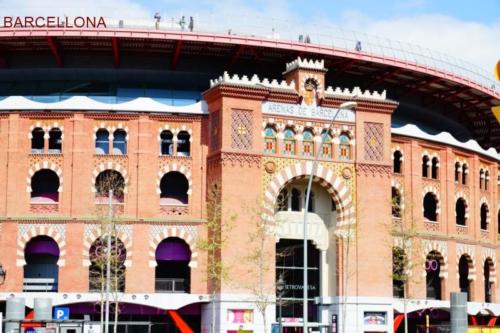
[
  {"x": 39, "y": 285},
  {"x": 326, "y": 35},
  {"x": 171, "y": 285}
]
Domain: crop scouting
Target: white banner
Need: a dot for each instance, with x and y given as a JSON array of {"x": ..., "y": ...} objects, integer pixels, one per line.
[
  {"x": 305, "y": 111},
  {"x": 91, "y": 328}
]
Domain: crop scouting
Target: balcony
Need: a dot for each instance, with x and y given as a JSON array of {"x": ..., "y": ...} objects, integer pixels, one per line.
[
  {"x": 431, "y": 226},
  {"x": 171, "y": 285},
  {"x": 461, "y": 229},
  {"x": 485, "y": 234},
  {"x": 169, "y": 210},
  {"x": 39, "y": 285},
  {"x": 44, "y": 208}
]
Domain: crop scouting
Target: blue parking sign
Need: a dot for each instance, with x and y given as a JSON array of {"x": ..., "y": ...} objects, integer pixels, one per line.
[{"x": 61, "y": 313}]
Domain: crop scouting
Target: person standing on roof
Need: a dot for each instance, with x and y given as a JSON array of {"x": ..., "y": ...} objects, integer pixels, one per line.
[
  {"x": 191, "y": 24},
  {"x": 182, "y": 23}
]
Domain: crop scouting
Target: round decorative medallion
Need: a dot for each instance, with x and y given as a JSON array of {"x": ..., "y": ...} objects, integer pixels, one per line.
[
  {"x": 270, "y": 167},
  {"x": 346, "y": 173}
]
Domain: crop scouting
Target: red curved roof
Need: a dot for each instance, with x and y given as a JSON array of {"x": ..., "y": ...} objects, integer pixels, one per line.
[{"x": 456, "y": 96}]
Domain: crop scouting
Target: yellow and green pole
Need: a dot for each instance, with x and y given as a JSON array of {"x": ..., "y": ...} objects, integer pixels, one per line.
[{"x": 496, "y": 109}]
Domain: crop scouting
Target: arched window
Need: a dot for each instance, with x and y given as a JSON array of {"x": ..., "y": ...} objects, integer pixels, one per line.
[
  {"x": 425, "y": 166},
  {"x": 463, "y": 271},
  {"x": 484, "y": 216},
  {"x": 282, "y": 200},
  {"x": 486, "y": 179},
  {"x": 310, "y": 207},
  {"x": 396, "y": 203},
  {"x": 430, "y": 207},
  {"x": 97, "y": 269},
  {"x": 270, "y": 140},
  {"x": 326, "y": 145},
  {"x": 120, "y": 142},
  {"x": 465, "y": 170},
  {"x": 434, "y": 168},
  {"x": 457, "y": 172},
  {"x": 174, "y": 188},
  {"x": 41, "y": 272},
  {"x": 488, "y": 266},
  {"x": 55, "y": 141},
  {"x": 432, "y": 278},
  {"x": 345, "y": 147},
  {"x": 37, "y": 141},
  {"x": 481, "y": 178},
  {"x": 45, "y": 187},
  {"x": 183, "y": 143},
  {"x": 166, "y": 143},
  {"x": 295, "y": 202},
  {"x": 397, "y": 162},
  {"x": 460, "y": 208},
  {"x": 109, "y": 180},
  {"x": 289, "y": 142},
  {"x": 172, "y": 272},
  {"x": 310, "y": 87},
  {"x": 399, "y": 271},
  {"x": 498, "y": 222},
  {"x": 102, "y": 142},
  {"x": 308, "y": 143}
]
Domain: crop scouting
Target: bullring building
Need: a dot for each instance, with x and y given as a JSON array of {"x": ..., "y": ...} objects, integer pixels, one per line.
[{"x": 174, "y": 132}]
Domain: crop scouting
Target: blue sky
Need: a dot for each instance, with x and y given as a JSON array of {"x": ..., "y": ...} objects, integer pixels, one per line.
[
  {"x": 485, "y": 11},
  {"x": 467, "y": 29}
]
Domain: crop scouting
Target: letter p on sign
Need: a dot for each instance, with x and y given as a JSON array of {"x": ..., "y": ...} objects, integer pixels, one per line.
[{"x": 61, "y": 313}]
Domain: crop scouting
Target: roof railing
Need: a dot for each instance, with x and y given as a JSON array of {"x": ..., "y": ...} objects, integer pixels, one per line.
[{"x": 328, "y": 35}]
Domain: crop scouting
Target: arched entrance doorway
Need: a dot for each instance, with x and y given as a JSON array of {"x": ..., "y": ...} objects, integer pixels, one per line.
[
  {"x": 463, "y": 271},
  {"x": 488, "y": 282},
  {"x": 432, "y": 275},
  {"x": 41, "y": 273},
  {"x": 323, "y": 212},
  {"x": 172, "y": 273}
]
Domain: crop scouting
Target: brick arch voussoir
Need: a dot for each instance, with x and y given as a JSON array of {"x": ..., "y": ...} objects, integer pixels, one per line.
[
  {"x": 325, "y": 177},
  {"x": 173, "y": 232},
  {"x": 175, "y": 167},
  {"x": 110, "y": 166},
  {"x": 45, "y": 165},
  {"x": 41, "y": 231},
  {"x": 94, "y": 235}
]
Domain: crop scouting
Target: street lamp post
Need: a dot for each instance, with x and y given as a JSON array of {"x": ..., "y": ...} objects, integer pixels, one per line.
[
  {"x": 344, "y": 106},
  {"x": 108, "y": 259},
  {"x": 280, "y": 288}
]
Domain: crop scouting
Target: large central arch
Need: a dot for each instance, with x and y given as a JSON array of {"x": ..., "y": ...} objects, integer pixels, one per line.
[{"x": 334, "y": 185}]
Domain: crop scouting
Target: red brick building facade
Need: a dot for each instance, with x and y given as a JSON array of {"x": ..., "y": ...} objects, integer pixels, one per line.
[{"x": 256, "y": 141}]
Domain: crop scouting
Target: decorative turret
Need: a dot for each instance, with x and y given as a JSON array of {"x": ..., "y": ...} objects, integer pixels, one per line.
[{"x": 309, "y": 78}]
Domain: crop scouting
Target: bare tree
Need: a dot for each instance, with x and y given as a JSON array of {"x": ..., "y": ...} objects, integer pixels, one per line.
[
  {"x": 108, "y": 248},
  {"x": 347, "y": 238},
  {"x": 218, "y": 227},
  {"x": 261, "y": 260},
  {"x": 406, "y": 250}
]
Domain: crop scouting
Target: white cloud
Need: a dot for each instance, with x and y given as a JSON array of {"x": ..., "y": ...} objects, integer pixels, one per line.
[
  {"x": 115, "y": 8},
  {"x": 470, "y": 41}
]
